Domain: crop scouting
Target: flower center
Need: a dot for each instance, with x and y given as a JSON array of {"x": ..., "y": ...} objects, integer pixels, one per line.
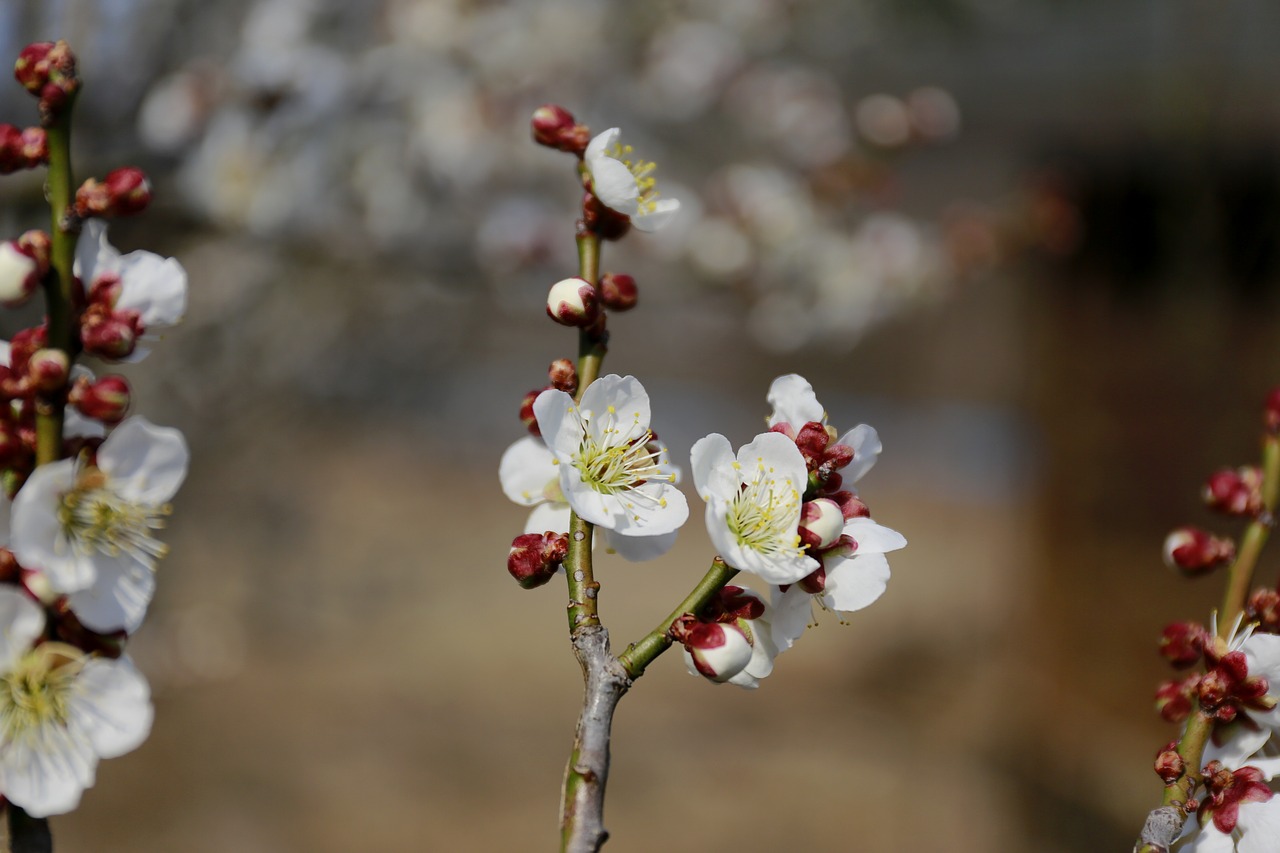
[
  {"x": 642, "y": 171},
  {"x": 765, "y": 515},
  {"x": 618, "y": 458},
  {"x": 35, "y": 693},
  {"x": 94, "y": 517}
]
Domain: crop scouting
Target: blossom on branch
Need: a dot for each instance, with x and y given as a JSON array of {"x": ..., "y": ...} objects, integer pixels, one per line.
[
  {"x": 130, "y": 296},
  {"x": 90, "y": 528},
  {"x": 612, "y": 471},
  {"x": 625, "y": 183},
  {"x": 753, "y": 504},
  {"x": 60, "y": 711}
]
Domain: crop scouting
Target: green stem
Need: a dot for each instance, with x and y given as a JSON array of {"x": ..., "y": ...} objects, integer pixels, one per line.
[
  {"x": 60, "y": 284},
  {"x": 591, "y": 348},
  {"x": 643, "y": 652}
]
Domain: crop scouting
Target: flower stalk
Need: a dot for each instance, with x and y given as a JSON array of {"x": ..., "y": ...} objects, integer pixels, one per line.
[
  {"x": 60, "y": 284},
  {"x": 28, "y": 834},
  {"x": 644, "y": 651}
]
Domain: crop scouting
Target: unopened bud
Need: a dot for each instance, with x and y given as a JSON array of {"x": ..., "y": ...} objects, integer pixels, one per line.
[
  {"x": 105, "y": 399},
  {"x": 733, "y": 603},
  {"x": 573, "y": 302},
  {"x": 851, "y": 505},
  {"x": 527, "y": 417},
  {"x": 20, "y": 274},
  {"x": 35, "y": 146},
  {"x": 48, "y": 71},
  {"x": 124, "y": 192},
  {"x": 1264, "y": 608},
  {"x": 821, "y": 523},
  {"x": 536, "y": 557},
  {"x": 108, "y": 336},
  {"x": 564, "y": 376},
  {"x": 11, "y": 157},
  {"x": 717, "y": 650},
  {"x": 618, "y": 291},
  {"x": 814, "y": 583},
  {"x": 1182, "y": 643},
  {"x": 555, "y": 127},
  {"x": 1195, "y": 551},
  {"x": 1237, "y": 492},
  {"x": 48, "y": 369},
  {"x": 1174, "y": 698},
  {"x": 1169, "y": 765},
  {"x": 812, "y": 439}
]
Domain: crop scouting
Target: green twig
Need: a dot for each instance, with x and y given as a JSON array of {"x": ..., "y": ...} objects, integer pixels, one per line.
[{"x": 643, "y": 652}]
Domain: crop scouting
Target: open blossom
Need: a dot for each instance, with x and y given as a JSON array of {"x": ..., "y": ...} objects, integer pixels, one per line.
[
  {"x": 611, "y": 471},
  {"x": 90, "y": 529},
  {"x": 855, "y": 575},
  {"x": 794, "y": 405},
  {"x": 143, "y": 289},
  {"x": 1234, "y": 743},
  {"x": 60, "y": 711},
  {"x": 530, "y": 476},
  {"x": 625, "y": 183},
  {"x": 753, "y": 504}
]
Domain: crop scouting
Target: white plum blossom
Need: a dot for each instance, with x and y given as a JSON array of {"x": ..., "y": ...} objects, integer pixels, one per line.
[
  {"x": 611, "y": 472},
  {"x": 625, "y": 183},
  {"x": 753, "y": 504},
  {"x": 1243, "y": 739},
  {"x": 153, "y": 286},
  {"x": 795, "y": 405},
  {"x": 89, "y": 529},
  {"x": 530, "y": 476},
  {"x": 60, "y": 711},
  {"x": 1244, "y": 818},
  {"x": 854, "y": 578}
]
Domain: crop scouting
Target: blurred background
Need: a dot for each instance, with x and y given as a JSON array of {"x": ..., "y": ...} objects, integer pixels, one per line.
[{"x": 1034, "y": 244}]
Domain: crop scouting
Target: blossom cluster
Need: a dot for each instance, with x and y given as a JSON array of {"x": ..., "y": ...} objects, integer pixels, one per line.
[
  {"x": 782, "y": 507},
  {"x": 1234, "y": 691},
  {"x": 85, "y": 488}
]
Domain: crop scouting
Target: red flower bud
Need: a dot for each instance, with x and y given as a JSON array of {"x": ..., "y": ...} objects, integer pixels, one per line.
[
  {"x": 526, "y": 412},
  {"x": 1264, "y": 608},
  {"x": 1271, "y": 411},
  {"x": 1195, "y": 551},
  {"x": 109, "y": 335},
  {"x": 564, "y": 376},
  {"x": 618, "y": 291},
  {"x": 1182, "y": 643},
  {"x": 821, "y": 524},
  {"x": 1169, "y": 765},
  {"x": 124, "y": 192},
  {"x": 1237, "y": 492},
  {"x": 48, "y": 369},
  {"x": 536, "y": 557},
  {"x": 555, "y": 127},
  {"x": 106, "y": 399},
  {"x": 603, "y": 221}
]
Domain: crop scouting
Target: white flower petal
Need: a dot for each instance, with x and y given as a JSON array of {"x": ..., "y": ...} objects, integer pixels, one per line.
[
  {"x": 1259, "y": 825},
  {"x": 713, "y": 473},
  {"x": 624, "y": 395},
  {"x": 23, "y": 622},
  {"x": 558, "y": 422},
  {"x": 155, "y": 287},
  {"x": 793, "y": 402},
  {"x": 146, "y": 463},
  {"x": 553, "y": 517},
  {"x": 649, "y": 510},
  {"x": 119, "y": 596},
  {"x": 613, "y": 184},
  {"x": 866, "y": 449},
  {"x": 94, "y": 255},
  {"x": 47, "y": 776},
  {"x": 854, "y": 582},
  {"x": 656, "y": 217},
  {"x": 873, "y": 538},
  {"x": 781, "y": 458},
  {"x": 112, "y": 706},
  {"x": 526, "y": 468},
  {"x": 792, "y": 613},
  {"x": 637, "y": 549},
  {"x": 37, "y": 538},
  {"x": 601, "y": 143}
]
